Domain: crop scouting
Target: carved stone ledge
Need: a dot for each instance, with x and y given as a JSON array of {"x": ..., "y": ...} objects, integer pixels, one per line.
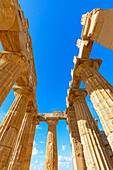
[{"x": 89, "y": 21}]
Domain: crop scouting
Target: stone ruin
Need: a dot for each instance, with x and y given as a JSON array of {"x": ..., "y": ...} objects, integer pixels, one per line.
[{"x": 91, "y": 148}]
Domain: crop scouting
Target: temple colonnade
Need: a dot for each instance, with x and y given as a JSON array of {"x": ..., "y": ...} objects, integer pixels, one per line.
[{"x": 91, "y": 148}]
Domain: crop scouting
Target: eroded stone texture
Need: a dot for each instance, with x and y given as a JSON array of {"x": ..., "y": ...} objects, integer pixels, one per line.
[
  {"x": 27, "y": 158},
  {"x": 106, "y": 144},
  {"x": 15, "y": 38},
  {"x": 51, "y": 160},
  {"x": 11, "y": 138},
  {"x": 10, "y": 69},
  {"x": 76, "y": 146},
  {"x": 23, "y": 146},
  {"x": 85, "y": 47},
  {"x": 95, "y": 155},
  {"x": 56, "y": 115},
  {"x": 98, "y": 26},
  {"x": 100, "y": 92},
  {"x": 17, "y": 65}
]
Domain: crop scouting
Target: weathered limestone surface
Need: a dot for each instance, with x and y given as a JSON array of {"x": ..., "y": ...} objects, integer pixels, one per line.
[
  {"x": 85, "y": 47},
  {"x": 11, "y": 138},
  {"x": 12, "y": 111},
  {"x": 12, "y": 65},
  {"x": 106, "y": 144},
  {"x": 23, "y": 147},
  {"x": 17, "y": 65},
  {"x": 98, "y": 26},
  {"x": 14, "y": 26},
  {"x": 100, "y": 92},
  {"x": 76, "y": 146},
  {"x": 27, "y": 159},
  {"x": 51, "y": 160},
  {"x": 56, "y": 115},
  {"x": 9, "y": 18},
  {"x": 95, "y": 155}
]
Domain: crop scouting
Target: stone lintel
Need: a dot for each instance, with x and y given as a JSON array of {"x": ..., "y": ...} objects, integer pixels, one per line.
[
  {"x": 13, "y": 19},
  {"x": 81, "y": 63},
  {"x": 52, "y": 116},
  {"x": 85, "y": 47},
  {"x": 89, "y": 21}
]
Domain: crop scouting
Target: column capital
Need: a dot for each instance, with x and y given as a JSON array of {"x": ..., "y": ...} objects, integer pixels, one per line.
[
  {"x": 35, "y": 121},
  {"x": 52, "y": 122},
  {"x": 24, "y": 90},
  {"x": 31, "y": 110},
  {"x": 81, "y": 64},
  {"x": 75, "y": 93},
  {"x": 70, "y": 108},
  {"x": 12, "y": 56}
]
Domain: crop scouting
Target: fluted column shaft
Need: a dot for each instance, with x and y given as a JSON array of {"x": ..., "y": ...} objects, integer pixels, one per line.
[
  {"x": 11, "y": 137},
  {"x": 22, "y": 150},
  {"x": 95, "y": 155},
  {"x": 76, "y": 146},
  {"x": 11, "y": 112},
  {"x": 101, "y": 95},
  {"x": 26, "y": 164},
  {"x": 51, "y": 160},
  {"x": 10, "y": 69}
]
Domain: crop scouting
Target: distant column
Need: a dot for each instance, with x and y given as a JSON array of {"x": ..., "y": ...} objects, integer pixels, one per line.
[
  {"x": 10, "y": 68},
  {"x": 95, "y": 155},
  {"x": 100, "y": 92},
  {"x": 51, "y": 160},
  {"x": 10, "y": 140},
  {"x": 76, "y": 146}
]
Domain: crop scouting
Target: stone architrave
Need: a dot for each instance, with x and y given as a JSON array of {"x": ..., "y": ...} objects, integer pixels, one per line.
[
  {"x": 26, "y": 163},
  {"x": 100, "y": 92},
  {"x": 51, "y": 160},
  {"x": 22, "y": 150},
  {"x": 98, "y": 26},
  {"x": 11, "y": 67},
  {"x": 95, "y": 155},
  {"x": 9, "y": 19},
  {"x": 76, "y": 146},
  {"x": 10, "y": 141},
  {"x": 85, "y": 47}
]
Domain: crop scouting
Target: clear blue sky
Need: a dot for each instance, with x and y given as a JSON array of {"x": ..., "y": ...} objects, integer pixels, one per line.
[{"x": 54, "y": 26}]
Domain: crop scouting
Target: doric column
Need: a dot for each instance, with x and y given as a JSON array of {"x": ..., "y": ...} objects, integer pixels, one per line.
[
  {"x": 11, "y": 67},
  {"x": 100, "y": 92},
  {"x": 51, "y": 160},
  {"x": 76, "y": 146},
  {"x": 11, "y": 112},
  {"x": 23, "y": 147},
  {"x": 26, "y": 163},
  {"x": 95, "y": 155},
  {"x": 11, "y": 138}
]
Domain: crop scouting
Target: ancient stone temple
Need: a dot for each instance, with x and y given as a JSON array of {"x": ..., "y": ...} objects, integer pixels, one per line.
[{"x": 92, "y": 149}]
